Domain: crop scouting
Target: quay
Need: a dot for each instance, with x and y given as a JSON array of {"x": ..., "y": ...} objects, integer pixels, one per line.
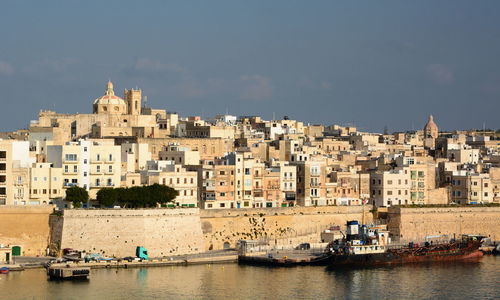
[{"x": 231, "y": 258}]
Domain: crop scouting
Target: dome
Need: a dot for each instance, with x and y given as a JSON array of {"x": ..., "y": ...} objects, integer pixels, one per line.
[
  {"x": 431, "y": 128},
  {"x": 109, "y": 97},
  {"x": 430, "y": 124}
]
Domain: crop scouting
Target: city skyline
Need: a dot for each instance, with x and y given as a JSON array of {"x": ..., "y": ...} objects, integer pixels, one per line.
[{"x": 331, "y": 63}]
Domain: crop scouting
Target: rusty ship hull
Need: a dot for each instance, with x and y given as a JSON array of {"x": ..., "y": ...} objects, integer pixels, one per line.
[{"x": 437, "y": 253}]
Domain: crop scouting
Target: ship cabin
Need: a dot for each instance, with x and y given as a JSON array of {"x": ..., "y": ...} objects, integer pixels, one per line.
[{"x": 361, "y": 239}]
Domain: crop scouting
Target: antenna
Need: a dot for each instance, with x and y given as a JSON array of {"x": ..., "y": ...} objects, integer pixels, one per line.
[{"x": 145, "y": 100}]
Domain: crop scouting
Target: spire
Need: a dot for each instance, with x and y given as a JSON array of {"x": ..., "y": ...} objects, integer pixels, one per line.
[
  {"x": 431, "y": 118},
  {"x": 109, "y": 89}
]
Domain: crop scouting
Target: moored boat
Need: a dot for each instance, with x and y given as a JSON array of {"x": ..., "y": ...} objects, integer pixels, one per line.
[{"x": 363, "y": 246}]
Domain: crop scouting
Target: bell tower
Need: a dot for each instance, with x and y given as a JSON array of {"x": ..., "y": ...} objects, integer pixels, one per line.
[{"x": 134, "y": 99}]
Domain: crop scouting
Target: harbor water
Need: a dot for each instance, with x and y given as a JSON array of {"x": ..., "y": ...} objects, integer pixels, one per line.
[{"x": 454, "y": 280}]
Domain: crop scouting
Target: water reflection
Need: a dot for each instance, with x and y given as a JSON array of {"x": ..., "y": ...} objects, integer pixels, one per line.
[{"x": 230, "y": 281}]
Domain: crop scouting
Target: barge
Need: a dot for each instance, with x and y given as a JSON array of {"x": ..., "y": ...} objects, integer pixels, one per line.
[
  {"x": 363, "y": 246},
  {"x": 68, "y": 272}
]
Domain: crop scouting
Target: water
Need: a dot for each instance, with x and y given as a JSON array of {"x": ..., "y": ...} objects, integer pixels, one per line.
[{"x": 457, "y": 280}]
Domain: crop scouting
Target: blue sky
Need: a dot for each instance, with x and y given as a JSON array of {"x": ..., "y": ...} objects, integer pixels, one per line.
[{"x": 367, "y": 63}]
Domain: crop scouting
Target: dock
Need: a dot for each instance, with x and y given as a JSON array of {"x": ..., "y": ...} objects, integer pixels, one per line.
[
  {"x": 163, "y": 262},
  {"x": 68, "y": 272}
]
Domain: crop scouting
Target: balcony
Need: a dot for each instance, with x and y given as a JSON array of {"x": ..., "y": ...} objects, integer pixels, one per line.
[
  {"x": 70, "y": 184},
  {"x": 70, "y": 172},
  {"x": 70, "y": 161},
  {"x": 96, "y": 161},
  {"x": 109, "y": 172},
  {"x": 95, "y": 172},
  {"x": 109, "y": 161}
]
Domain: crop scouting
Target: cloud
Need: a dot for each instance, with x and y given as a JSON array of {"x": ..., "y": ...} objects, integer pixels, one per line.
[
  {"x": 149, "y": 65},
  {"x": 58, "y": 65},
  {"x": 6, "y": 68},
  {"x": 255, "y": 87},
  {"x": 440, "y": 74}
]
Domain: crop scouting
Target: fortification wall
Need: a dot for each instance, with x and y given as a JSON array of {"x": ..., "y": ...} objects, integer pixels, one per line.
[
  {"x": 27, "y": 227},
  {"x": 287, "y": 225},
  {"x": 118, "y": 232},
  {"x": 414, "y": 224}
]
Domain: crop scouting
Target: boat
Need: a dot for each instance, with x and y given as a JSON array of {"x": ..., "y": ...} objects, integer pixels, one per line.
[
  {"x": 4, "y": 270},
  {"x": 364, "y": 246},
  {"x": 68, "y": 272}
]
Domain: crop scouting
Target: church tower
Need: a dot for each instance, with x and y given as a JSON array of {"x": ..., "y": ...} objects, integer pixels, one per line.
[{"x": 134, "y": 99}]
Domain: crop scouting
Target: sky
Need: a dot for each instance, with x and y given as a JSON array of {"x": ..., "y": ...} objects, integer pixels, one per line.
[{"x": 370, "y": 64}]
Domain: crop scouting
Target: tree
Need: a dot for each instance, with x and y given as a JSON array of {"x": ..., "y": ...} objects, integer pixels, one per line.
[
  {"x": 77, "y": 196},
  {"x": 107, "y": 196}
]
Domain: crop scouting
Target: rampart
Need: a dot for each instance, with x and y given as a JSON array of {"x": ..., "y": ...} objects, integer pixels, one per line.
[
  {"x": 27, "y": 227},
  {"x": 223, "y": 228},
  {"x": 414, "y": 224},
  {"x": 117, "y": 232}
]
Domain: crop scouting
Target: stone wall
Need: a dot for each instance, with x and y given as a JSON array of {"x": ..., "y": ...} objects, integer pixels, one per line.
[
  {"x": 286, "y": 225},
  {"x": 117, "y": 232},
  {"x": 27, "y": 227},
  {"x": 414, "y": 224}
]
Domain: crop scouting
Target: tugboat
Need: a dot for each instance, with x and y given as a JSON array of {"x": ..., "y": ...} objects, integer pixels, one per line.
[{"x": 363, "y": 246}]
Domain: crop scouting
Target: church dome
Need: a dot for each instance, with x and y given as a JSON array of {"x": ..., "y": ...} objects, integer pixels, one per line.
[
  {"x": 431, "y": 128},
  {"x": 109, "y": 97}
]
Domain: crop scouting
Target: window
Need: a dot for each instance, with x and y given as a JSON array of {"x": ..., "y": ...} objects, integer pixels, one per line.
[
  {"x": 421, "y": 195},
  {"x": 110, "y": 182},
  {"x": 420, "y": 174},
  {"x": 111, "y": 157},
  {"x": 389, "y": 193},
  {"x": 84, "y": 174},
  {"x": 98, "y": 157},
  {"x": 247, "y": 171},
  {"x": 485, "y": 184},
  {"x": 389, "y": 181},
  {"x": 36, "y": 178},
  {"x": 421, "y": 184},
  {"x": 75, "y": 169},
  {"x": 222, "y": 173},
  {"x": 54, "y": 191},
  {"x": 110, "y": 169},
  {"x": 413, "y": 174},
  {"x": 98, "y": 169},
  {"x": 222, "y": 194},
  {"x": 70, "y": 157},
  {"x": 84, "y": 149}
]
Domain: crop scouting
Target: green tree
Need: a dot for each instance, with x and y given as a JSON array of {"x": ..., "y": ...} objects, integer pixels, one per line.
[
  {"x": 107, "y": 196},
  {"x": 77, "y": 196}
]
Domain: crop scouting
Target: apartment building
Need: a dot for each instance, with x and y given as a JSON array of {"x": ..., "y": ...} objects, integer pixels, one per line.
[
  {"x": 46, "y": 183},
  {"x": 13, "y": 155},
  {"x": 470, "y": 188},
  {"x": 390, "y": 187},
  {"x": 89, "y": 164},
  {"x": 175, "y": 176},
  {"x": 311, "y": 179},
  {"x": 181, "y": 155}
]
